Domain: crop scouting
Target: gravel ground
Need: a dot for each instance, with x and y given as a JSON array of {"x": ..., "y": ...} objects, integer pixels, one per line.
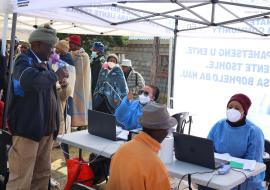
[{"x": 59, "y": 169}]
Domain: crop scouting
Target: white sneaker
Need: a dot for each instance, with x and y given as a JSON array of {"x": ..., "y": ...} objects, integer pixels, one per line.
[{"x": 54, "y": 183}]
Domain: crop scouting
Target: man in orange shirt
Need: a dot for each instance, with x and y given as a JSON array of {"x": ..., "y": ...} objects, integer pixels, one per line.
[{"x": 136, "y": 164}]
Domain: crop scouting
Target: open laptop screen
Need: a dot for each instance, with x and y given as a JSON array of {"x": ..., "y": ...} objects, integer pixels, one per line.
[
  {"x": 102, "y": 124},
  {"x": 194, "y": 150}
]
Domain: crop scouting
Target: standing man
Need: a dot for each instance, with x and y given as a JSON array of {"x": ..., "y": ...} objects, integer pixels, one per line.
[
  {"x": 82, "y": 98},
  {"x": 134, "y": 79},
  {"x": 33, "y": 113},
  {"x": 97, "y": 59},
  {"x": 136, "y": 164}
]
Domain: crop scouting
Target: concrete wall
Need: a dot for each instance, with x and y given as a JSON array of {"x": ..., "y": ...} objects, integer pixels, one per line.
[{"x": 140, "y": 52}]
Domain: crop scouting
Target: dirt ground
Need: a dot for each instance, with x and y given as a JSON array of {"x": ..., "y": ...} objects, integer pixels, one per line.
[{"x": 59, "y": 169}]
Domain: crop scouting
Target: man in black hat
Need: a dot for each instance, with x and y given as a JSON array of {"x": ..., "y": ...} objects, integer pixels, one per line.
[
  {"x": 33, "y": 113},
  {"x": 136, "y": 164}
]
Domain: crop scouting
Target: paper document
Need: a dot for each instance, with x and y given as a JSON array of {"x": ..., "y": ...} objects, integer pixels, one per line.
[
  {"x": 247, "y": 164},
  {"x": 121, "y": 133}
]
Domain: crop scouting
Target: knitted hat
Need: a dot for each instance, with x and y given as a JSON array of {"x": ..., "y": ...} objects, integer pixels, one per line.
[
  {"x": 44, "y": 34},
  {"x": 243, "y": 100},
  {"x": 126, "y": 62},
  {"x": 98, "y": 46},
  {"x": 76, "y": 39},
  {"x": 63, "y": 45},
  {"x": 114, "y": 56}
]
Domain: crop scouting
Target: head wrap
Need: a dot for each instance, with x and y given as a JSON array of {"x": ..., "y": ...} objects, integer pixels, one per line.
[{"x": 76, "y": 39}]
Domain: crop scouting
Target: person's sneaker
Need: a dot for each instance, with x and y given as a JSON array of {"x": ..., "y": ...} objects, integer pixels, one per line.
[{"x": 54, "y": 183}]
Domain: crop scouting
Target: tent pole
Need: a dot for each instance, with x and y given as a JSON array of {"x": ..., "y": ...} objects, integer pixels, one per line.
[
  {"x": 4, "y": 35},
  {"x": 173, "y": 63},
  {"x": 11, "y": 65}
]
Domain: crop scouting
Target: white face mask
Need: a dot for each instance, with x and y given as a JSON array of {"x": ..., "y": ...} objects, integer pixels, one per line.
[
  {"x": 94, "y": 54},
  {"x": 144, "y": 99},
  {"x": 233, "y": 115},
  {"x": 111, "y": 65}
]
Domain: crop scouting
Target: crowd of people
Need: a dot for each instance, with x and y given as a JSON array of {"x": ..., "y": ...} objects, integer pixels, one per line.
[{"x": 55, "y": 83}]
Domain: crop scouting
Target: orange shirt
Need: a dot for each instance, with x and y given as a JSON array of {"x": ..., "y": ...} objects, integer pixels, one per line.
[{"x": 136, "y": 166}]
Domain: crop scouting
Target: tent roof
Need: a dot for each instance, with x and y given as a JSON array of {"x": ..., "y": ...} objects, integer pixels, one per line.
[{"x": 141, "y": 17}]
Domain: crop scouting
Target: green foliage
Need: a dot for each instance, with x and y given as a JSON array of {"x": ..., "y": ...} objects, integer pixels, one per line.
[{"x": 108, "y": 41}]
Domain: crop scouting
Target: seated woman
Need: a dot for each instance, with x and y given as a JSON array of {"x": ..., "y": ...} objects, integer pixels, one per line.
[{"x": 239, "y": 137}]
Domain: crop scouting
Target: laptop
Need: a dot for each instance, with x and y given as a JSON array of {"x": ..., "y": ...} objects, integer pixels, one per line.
[
  {"x": 196, "y": 150},
  {"x": 104, "y": 125}
]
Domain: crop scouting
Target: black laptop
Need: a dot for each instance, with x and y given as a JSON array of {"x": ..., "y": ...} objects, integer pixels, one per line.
[
  {"x": 196, "y": 150},
  {"x": 102, "y": 125}
]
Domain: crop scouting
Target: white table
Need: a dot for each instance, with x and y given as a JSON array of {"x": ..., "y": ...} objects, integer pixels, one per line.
[
  {"x": 222, "y": 182},
  {"x": 105, "y": 147},
  {"x": 94, "y": 144}
]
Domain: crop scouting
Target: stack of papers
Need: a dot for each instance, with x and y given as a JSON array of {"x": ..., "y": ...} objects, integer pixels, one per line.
[
  {"x": 247, "y": 164},
  {"x": 121, "y": 133}
]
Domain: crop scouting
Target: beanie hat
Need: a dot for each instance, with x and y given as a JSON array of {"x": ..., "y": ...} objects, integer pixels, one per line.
[
  {"x": 63, "y": 45},
  {"x": 76, "y": 39},
  {"x": 114, "y": 56},
  {"x": 126, "y": 62},
  {"x": 243, "y": 100},
  {"x": 98, "y": 46},
  {"x": 44, "y": 34}
]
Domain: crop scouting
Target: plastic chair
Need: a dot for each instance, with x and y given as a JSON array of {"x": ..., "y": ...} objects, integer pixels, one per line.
[
  {"x": 183, "y": 118},
  {"x": 266, "y": 161}
]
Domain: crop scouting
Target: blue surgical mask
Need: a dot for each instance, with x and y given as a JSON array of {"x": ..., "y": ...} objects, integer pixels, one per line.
[{"x": 94, "y": 54}]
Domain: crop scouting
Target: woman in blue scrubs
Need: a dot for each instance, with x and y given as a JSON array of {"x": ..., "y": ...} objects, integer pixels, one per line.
[{"x": 239, "y": 137}]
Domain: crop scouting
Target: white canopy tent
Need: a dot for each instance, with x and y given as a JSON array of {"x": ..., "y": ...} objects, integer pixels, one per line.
[{"x": 140, "y": 18}]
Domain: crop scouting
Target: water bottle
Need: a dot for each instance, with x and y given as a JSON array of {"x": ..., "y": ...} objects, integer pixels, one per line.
[{"x": 61, "y": 64}]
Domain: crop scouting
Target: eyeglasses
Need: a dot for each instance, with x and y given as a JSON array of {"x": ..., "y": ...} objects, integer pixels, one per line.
[{"x": 143, "y": 92}]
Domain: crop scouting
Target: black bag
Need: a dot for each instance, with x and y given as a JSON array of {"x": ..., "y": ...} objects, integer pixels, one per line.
[{"x": 100, "y": 166}]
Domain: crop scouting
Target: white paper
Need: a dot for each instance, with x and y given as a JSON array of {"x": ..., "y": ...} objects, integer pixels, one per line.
[
  {"x": 123, "y": 135},
  {"x": 225, "y": 156},
  {"x": 248, "y": 164}
]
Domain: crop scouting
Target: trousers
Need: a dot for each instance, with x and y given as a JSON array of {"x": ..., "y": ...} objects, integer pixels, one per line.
[{"x": 29, "y": 163}]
